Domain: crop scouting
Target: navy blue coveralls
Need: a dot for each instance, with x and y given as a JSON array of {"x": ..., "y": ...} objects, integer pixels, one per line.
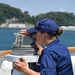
[{"x": 55, "y": 60}]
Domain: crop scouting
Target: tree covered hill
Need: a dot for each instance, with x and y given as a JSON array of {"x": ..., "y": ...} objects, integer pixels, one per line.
[
  {"x": 8, "y": 12},
  {"x": 62, "y": 18}
]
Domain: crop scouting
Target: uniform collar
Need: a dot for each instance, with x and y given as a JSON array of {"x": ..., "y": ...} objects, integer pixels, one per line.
[{"x": 52, "y": 43}]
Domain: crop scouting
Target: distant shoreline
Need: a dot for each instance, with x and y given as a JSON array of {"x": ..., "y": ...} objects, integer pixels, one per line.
[{"x": 67, "y": 28}]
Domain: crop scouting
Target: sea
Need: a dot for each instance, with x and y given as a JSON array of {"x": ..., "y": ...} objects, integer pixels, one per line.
[{"x": 7, "y": 38}]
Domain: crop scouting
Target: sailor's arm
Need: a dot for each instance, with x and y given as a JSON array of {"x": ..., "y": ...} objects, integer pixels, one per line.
[
  {"x": 22, "y": 66},
  {"x": 39, "y": 47},
  {"x": 31, "y": 72}
]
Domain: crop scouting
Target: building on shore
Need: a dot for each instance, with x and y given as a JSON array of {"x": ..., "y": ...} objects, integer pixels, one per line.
[{"x": 12, "y": 24}]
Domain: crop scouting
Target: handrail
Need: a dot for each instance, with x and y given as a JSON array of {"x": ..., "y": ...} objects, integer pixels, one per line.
[
  {"x": 10, "y": 51},
  {"x": 5, "y": 52},
  {"x": 71, "y": 48}
]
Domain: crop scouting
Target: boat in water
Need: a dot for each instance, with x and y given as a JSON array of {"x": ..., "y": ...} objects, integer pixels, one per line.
[{"x": 23, "y": 48}]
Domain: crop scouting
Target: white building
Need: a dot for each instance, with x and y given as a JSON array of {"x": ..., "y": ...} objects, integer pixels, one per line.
[{"x": 16, "y": 26}]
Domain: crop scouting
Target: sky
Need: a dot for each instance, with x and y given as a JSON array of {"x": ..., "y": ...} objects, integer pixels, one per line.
[{"x": 35, "y": 7}]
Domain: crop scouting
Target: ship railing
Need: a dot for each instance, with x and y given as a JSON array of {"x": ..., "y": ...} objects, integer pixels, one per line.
[{"x": 4, "y": 52}]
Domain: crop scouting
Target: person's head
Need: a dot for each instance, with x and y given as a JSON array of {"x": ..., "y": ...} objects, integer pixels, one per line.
[{"x": 45, "y": 29}]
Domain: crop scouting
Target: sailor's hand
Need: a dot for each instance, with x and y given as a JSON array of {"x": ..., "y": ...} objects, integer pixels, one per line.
[
  {"x": 21, "y": 65},
  {"x": 23, "y": 31},
  {"x": 39, "y": 47}
]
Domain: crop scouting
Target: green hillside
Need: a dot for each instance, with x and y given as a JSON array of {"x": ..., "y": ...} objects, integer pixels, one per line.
[{"x": 8, "y": 12}]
